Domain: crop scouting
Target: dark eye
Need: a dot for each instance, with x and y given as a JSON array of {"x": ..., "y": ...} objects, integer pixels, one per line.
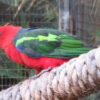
[{"x": 0, "y": 33}]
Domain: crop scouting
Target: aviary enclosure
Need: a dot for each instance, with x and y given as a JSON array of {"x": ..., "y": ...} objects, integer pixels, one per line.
[{"x": 78, "y": 17}]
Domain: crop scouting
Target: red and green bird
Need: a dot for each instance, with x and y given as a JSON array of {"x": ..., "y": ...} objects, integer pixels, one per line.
[{"x": 39, "y": 48}]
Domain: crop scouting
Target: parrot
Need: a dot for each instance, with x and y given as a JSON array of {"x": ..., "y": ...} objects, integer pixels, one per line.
[{"x": 39, "y": 48}]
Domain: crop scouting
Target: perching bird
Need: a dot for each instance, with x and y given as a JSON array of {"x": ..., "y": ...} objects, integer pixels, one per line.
[{"x": 39, "y": 48}]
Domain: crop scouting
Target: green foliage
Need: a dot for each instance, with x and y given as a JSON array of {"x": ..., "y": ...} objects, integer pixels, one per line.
[
  {"x": 11, "y": 2},
  {"x": 40, "y": 13},
  {"x": 95, "y": 96}
]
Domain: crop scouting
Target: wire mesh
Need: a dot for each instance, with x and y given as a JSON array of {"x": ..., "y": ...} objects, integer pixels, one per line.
[
  {"x": 36, "y": 13},
  {"x": 39, "y": 14},
  {"x": 86, "y": 19}
]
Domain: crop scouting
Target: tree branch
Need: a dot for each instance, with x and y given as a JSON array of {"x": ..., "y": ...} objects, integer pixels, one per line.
[{"x": 75, "y": 79}]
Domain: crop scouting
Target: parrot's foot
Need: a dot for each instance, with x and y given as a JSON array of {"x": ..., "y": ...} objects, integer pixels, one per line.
[{"x": 42, "y": 72}]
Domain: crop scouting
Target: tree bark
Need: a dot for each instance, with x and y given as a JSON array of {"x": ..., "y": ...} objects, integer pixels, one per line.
[{"x": 71, "y": 81}]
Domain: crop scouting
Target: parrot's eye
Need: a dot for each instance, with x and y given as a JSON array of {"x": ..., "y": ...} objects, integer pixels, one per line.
[{"x": 0, "y": 33}]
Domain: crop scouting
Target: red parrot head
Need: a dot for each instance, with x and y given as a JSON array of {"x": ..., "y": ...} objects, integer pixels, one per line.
[{"x": 7, "y": 34}]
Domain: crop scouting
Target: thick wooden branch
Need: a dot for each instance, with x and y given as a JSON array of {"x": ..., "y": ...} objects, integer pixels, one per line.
[{"x": 75, "y": 79}]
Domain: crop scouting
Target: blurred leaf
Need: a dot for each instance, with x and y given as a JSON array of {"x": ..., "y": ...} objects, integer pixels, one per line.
[{"x": 11, "y": 2}]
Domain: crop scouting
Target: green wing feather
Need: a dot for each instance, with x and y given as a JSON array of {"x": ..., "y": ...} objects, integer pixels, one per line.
[{"x": 48, "y": 42}]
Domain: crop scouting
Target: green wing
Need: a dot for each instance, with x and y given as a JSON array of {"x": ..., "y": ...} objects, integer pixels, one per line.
[{"x": 48, "y": 42}]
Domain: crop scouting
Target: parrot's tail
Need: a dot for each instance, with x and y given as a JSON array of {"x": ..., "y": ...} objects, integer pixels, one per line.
[{"x": 69, "y": 53}]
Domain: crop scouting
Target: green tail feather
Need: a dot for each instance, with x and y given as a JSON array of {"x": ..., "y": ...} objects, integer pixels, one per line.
[{"x": 69, "y": 52}]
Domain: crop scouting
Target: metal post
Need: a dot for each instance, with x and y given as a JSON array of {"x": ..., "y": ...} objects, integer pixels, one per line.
[{"x": 64, "y": 15}]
